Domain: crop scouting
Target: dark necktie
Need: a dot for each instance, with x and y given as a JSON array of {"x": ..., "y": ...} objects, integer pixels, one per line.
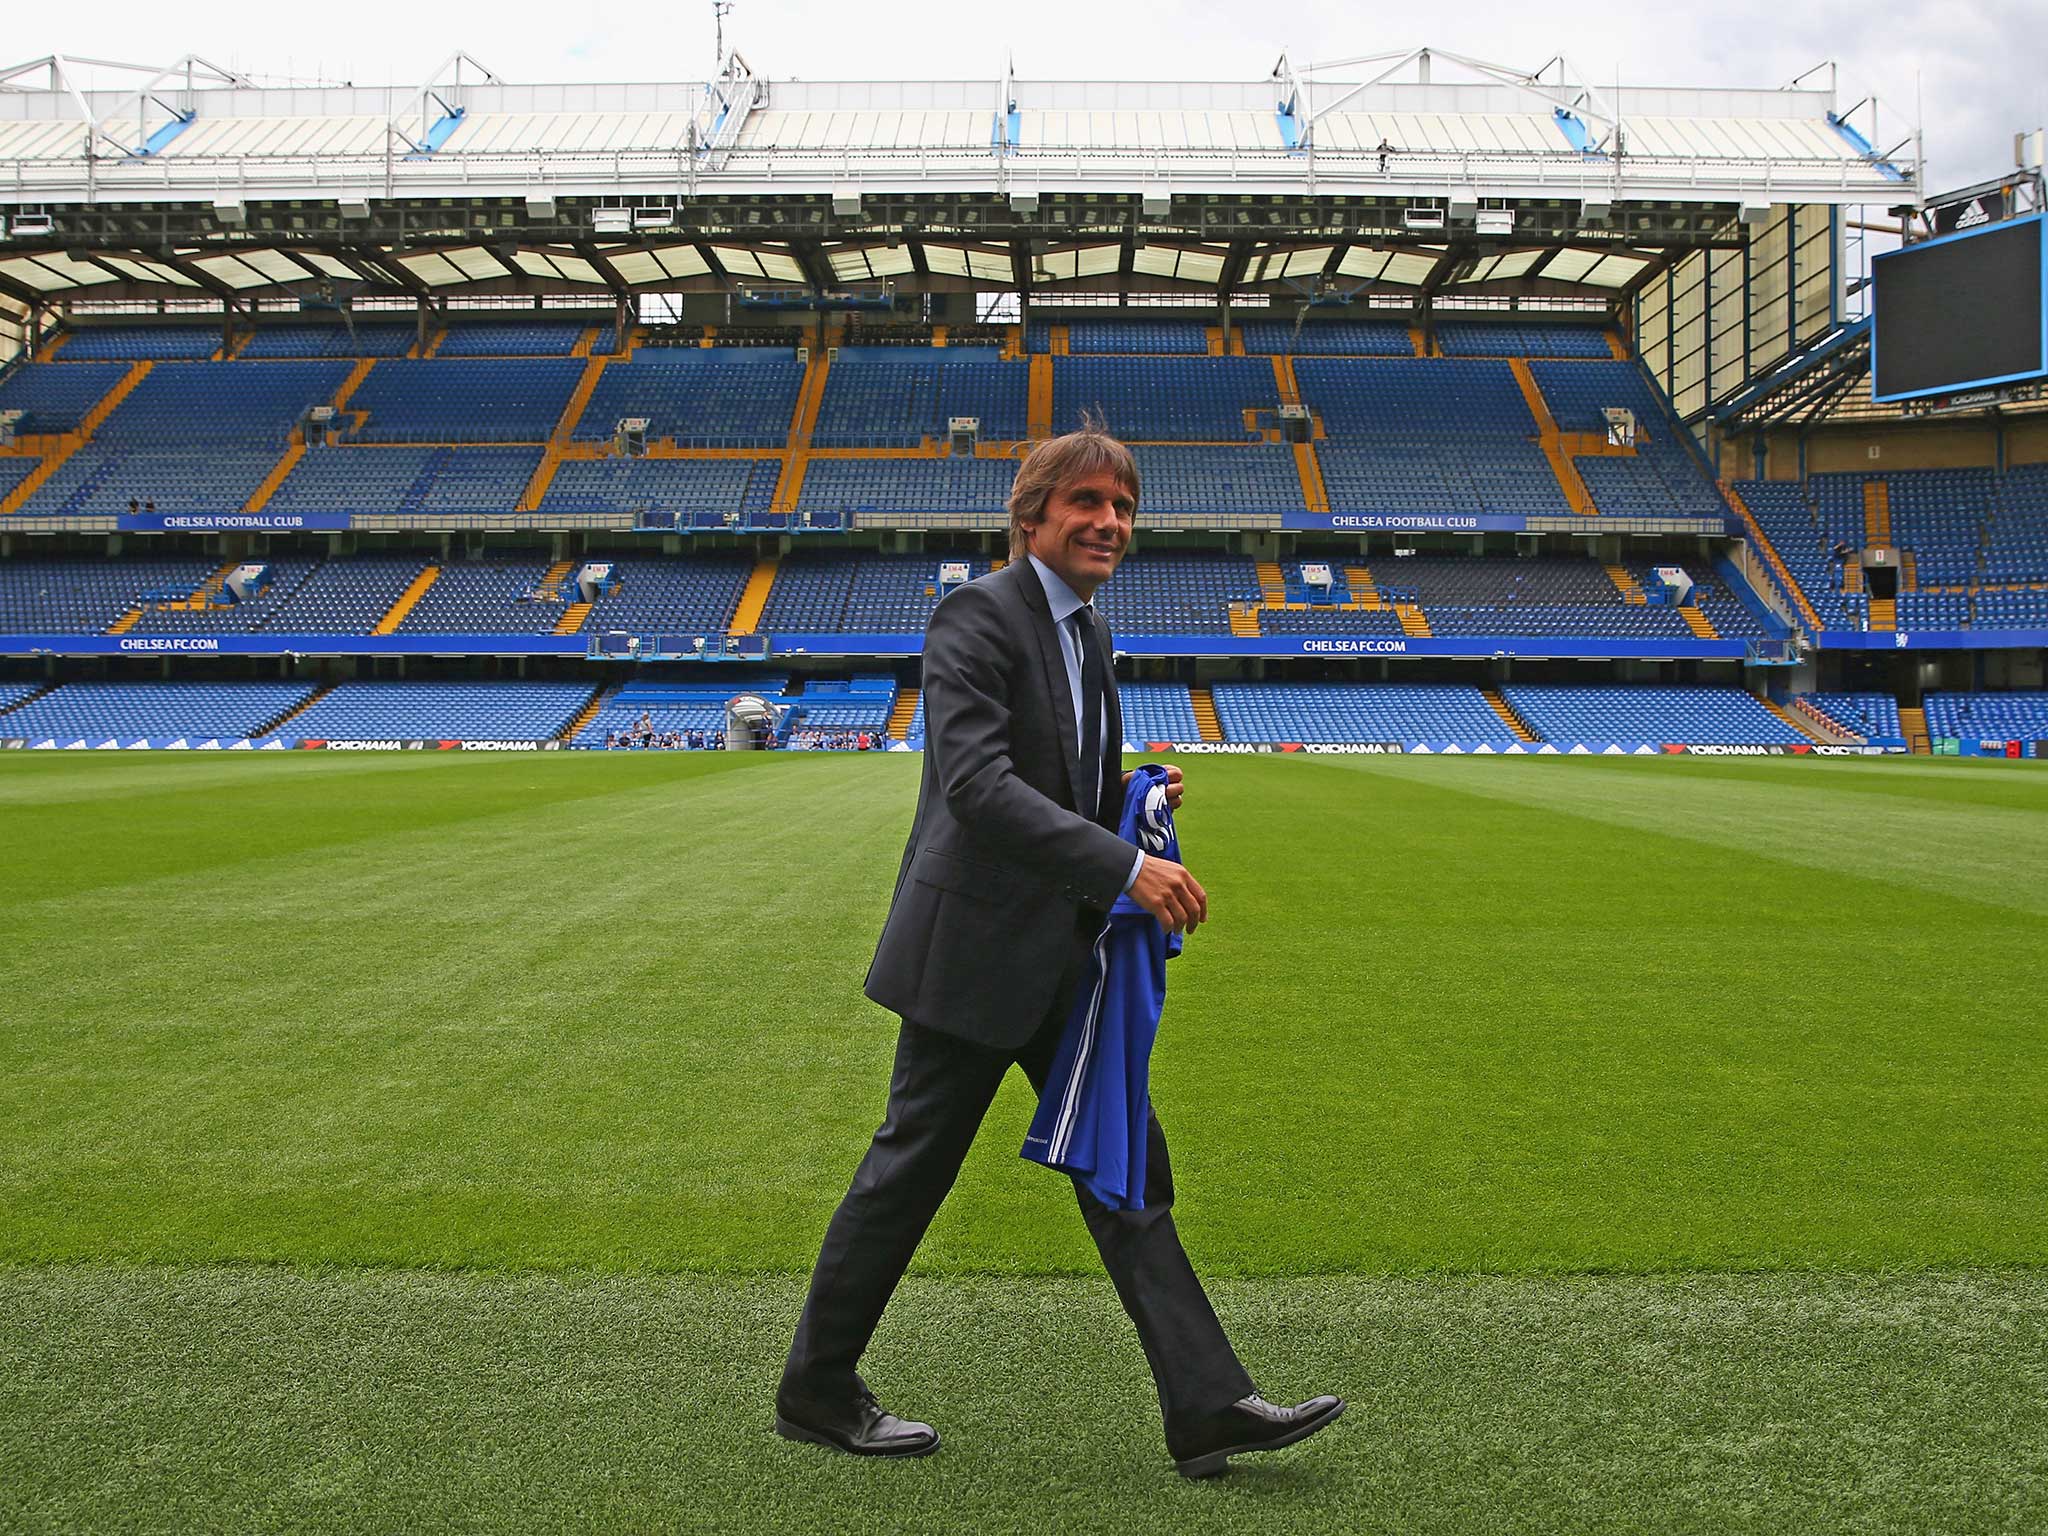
[{"x": 1091, "y": 708}]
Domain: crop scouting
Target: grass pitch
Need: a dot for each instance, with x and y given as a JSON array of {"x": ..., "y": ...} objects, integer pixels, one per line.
[{"x": 442, "y": 1141}]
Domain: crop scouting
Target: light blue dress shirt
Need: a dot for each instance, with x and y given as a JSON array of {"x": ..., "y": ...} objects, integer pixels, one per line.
[{"x": 1065, "y": 604}]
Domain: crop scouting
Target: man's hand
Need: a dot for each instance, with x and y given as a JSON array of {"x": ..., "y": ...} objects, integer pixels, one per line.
[
  {"x": 1175, "y": 790},
  {"x": 1170, "y": 894}
]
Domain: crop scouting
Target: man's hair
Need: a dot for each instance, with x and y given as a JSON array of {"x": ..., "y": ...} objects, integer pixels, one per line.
[{"x": 1060, "y": 461}]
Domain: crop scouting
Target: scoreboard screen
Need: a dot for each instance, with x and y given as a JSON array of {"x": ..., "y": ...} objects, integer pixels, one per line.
[{"x": 1966, "y": 311}]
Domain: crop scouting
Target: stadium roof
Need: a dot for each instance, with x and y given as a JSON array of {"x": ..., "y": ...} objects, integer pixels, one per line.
[{"x": 195, "y": 177}]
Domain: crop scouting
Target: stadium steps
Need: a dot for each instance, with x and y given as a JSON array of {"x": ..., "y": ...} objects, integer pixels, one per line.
[
  {"x": 1244, "y": 620},
  {"x": 1793, "y": 718},
  {"x": 209, "y": 589},
  {"x": 1284, "y": 380},
  {"x": 1315, "y": 496},
  {"x": 1769, "y": 551},
  {"x": 57, "y": 447},
  {"x": 796, "y": 458},
  {"x": 126, "y": 622},
  {"x": 278, "y": 723},
  {"x": 1213, "y": 337},
  {"x": 41, "y": 693},
  {"x": 1701, "y": 626},
  {"x": 901, "y": 716},
  {"x": 1852, "y": 577},
  {"x": 51, "y": 347},
  {"x": 1365, "y": 592},
  {"x": 572, "y": 618},
  {"x": 1829, "y": 727},
  {"x": 1414, "y": 622},
  {"x": 1616, "y": 346},
  {"x": 1913, "y": 726},
  {"x": 585, "y": 342},
  {"x": 1877, "y": 512},
  {"x": 353, "y": 382},
  {"x": 1206, "y": 721},
  {"x": 434, "y": 342},
  {"x": 747, "y": 617},
  {"x": 1272, "y": 585},
  {"x": 583, "y": 716},
  {"x": 1419, "y": 340},
  {"x": 552, "y": 578},
  {"x": 1039, "y": 408},
  {"x": 1909, "y": 571},
  {"x": 1576, "y": 496},
  {"x": 1508, "y": 716},
  {"x": 1884, "y": 614},
  {"x": 407, "y": 601},
  {"x": 1630, "y": 589},
  {"x": 260, "y": 498},
  {"x": 1057, "y": 340}
]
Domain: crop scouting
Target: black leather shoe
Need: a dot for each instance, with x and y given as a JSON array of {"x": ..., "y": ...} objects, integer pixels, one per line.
[
  {"x": 1204, "y": 1448},
  {"x": 857, "y": 1426}
]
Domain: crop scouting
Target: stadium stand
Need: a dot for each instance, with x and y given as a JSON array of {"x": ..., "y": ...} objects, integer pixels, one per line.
[
  {"x": 55, "y": 397},
  {"x": 721, "y": 396},
  {"x": 858, "y": 593},
  {"x": 406, "y": 479},
  {"x": 523, "y": 338},
  {"x": 686, "y": 706},
  {"x": 1253, "y": 479},
  {"x": 94, "y": 713},
  {"x": 1357, "y": 338},
  {"x": 902, "y": 396},
  {"x": 485, "y": 597},
  {"x": 1158, "y": 712},
  {"x": 359, "y": 340},
  {"x": 1177, "y": 594},
  {"x": 1350, "y": 712},
  {"x": 1138, "y": 337},
  {"x": 142, "y": 343},
  {"x": 15, "y": 468},
  {"x": 13, "y": 694},
  {"x": 1177, "y": 400},
  {"x": 2020, "y": 715},
  {"x": 693, "y": 595},
  {"x": 224, "y": 616},
  {"x": 1706, "y": 715},
  {"x": 507, "y": 711},
  {"x": 346, "y": 596},
  {"x": 1873, "y": 716},
  {"x": 901, "y": 485},
  {"x": 458, "y": 401},
  {"x": 1471, "y": 338},
  {"x": 83, "y": 597},
  {"x": 710, "y": 488}
]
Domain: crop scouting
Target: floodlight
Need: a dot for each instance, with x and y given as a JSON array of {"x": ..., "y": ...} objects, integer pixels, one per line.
[
  {"x": 540, "y": 205},
  {"x": 355, "y": 207},
  {"x": 1157, "y": 205},
  {"x": 1496, "y": 221},
  {"x": 1755, "y": 215},
  {"x": 1024, "y": 202},
  {"x": 230, "y": 210},
  {"x": 611, "y": 221},
  {"x": 846, "y": 202},
  {"x": 1463, "y": 206},
  {"x": 26, "y": 224},
  {"x": 1422, "y": 218},
  {"x": 1596, "y": 209}
]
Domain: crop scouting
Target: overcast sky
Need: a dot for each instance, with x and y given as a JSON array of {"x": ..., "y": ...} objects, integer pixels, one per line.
[{"x": 1976, "y": 65}]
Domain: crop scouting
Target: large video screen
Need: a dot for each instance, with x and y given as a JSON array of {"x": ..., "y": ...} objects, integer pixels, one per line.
[{"x": 1962, "y": 312}]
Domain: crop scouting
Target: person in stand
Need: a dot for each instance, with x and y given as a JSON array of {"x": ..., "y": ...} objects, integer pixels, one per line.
[
  {"x": 1011, "y": 866},
  {"x": 1385, "y": 149}
]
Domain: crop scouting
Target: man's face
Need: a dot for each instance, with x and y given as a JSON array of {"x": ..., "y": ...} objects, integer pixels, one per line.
[{"x": 1086, "y": 526}]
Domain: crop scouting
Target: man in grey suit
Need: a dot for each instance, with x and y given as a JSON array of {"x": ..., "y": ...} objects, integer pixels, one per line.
[{"x": 1012, "y": 862}]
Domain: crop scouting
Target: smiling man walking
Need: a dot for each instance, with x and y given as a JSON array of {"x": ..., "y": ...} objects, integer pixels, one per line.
[{"x": 1012, "y": 862}]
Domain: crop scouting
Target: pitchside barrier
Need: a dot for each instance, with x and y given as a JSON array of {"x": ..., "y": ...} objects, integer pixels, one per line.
[{"x": 1512, "y": 749}]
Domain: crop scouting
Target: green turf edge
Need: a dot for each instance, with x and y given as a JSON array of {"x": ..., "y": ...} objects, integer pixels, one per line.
[{"x": 271, "y": 1399}]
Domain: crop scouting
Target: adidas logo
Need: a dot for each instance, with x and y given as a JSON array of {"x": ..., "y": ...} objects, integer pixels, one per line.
[{"x": 1972, "y": 216}]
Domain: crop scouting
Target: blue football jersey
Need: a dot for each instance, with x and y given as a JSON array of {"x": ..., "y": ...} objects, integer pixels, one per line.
[{"x": 1092, "y": 1114}]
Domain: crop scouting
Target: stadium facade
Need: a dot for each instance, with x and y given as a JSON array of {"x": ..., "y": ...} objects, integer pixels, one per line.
[{"x": 1476, "y": 407}]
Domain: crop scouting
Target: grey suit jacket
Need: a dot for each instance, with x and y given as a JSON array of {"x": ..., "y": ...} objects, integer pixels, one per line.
[{"x": 999, "y": 864}]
